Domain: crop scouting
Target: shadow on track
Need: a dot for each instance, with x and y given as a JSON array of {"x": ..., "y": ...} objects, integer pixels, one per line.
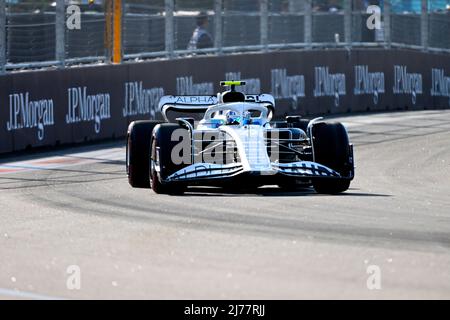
[{"x": 270, "y": 192}]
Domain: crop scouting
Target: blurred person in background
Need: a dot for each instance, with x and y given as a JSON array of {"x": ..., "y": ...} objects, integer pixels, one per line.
[
  {"x": 368, "y": 3},
  {"x": 201, "y": 38},
  {"x": 328, "y": 5},
  {"x": 334, "y": 5}
]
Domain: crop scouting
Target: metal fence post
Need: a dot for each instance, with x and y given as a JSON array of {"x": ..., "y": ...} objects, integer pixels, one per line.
[
  {"x": 424, "y": 23},
  {"x": 60, "y": 52},
  {"x": 2, "y": 36},
  {"x": 108, "y": 32},
  {"x": 218, "y": 26},
  {"x": 308, "y": 23},
  {"x": 348, "y": 23},
  {"x": 169, "y": 36},
  {"x": 387, "y": 23},
  {"x": 264, "y": 24}
]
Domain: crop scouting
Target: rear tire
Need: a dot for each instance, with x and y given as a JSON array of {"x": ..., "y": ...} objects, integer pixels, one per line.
[
  {"x": 332, "y": 149},
  {"x": 138, "y": 152}
]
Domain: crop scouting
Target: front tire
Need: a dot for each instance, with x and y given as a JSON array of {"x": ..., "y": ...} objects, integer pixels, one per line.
[
  {"x": 138, "y": 152},
  {"x": 334, "y": 186},
  {"x": 332, "y": 149},
  {"x": 161, "y": 162}
]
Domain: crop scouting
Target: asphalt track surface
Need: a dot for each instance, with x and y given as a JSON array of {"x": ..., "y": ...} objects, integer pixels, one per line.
[{"x": 75, "y": 207}]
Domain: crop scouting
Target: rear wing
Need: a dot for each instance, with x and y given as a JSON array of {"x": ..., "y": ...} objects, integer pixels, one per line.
[{"x": 202, "y": 103}]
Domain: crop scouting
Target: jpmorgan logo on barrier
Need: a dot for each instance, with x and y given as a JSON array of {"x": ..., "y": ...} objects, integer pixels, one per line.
[
  {"x": 26, "y": 113},
  {"x": 329, "y": 85},
  {"x": 369, "y": 83},
  {"x": 87, "y": 108},
  {"x": 440, "y": 84},
  {"x": 407, "y": 83},
  {"x": 287, "y": 87},
  {"x": 186, "y": 86},
  {"x": 141, "y": 101}
]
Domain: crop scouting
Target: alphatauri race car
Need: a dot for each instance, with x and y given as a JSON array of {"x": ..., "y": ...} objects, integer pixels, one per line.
[{"x": 236, "y": 144}]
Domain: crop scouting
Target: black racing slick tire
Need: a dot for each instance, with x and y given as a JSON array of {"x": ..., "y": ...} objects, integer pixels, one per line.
[
  {"x": 161, "y": 158},
  {"x": 138, "y": 152},
  {"x": 332, "y": 149}
]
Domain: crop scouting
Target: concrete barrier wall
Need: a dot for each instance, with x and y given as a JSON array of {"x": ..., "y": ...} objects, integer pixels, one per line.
[{"x": 46, "y": 108}]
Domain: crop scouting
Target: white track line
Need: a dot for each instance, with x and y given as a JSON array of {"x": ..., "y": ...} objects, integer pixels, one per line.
[
  {"x": 73, "y": 159},
  {"x": 25, "y": 295}
]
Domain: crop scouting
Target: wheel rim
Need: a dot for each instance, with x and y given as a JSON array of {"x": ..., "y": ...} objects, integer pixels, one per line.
[
  {"x": 152, "y": 166},
  {"x": 152, "y": 170}
]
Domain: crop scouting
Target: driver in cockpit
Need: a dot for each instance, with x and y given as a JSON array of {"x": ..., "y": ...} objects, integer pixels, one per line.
[{"x": 232, "y": 118}]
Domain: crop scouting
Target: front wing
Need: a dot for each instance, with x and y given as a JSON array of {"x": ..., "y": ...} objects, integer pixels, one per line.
[{"x": 207, "y": 171}]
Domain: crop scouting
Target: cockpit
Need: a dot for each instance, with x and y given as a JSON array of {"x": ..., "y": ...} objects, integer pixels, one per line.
[
  {"x": 235, "y": 114},
  {"x": 233, "y": 110}
]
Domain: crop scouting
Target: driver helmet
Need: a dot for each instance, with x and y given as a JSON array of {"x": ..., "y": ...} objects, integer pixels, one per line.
[
  {"x": 246, "y": 118},
  {"x": 232, "y": 117}
]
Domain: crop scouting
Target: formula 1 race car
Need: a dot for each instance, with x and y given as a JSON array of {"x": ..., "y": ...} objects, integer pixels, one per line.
[{"x": 236, "y": 144}]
